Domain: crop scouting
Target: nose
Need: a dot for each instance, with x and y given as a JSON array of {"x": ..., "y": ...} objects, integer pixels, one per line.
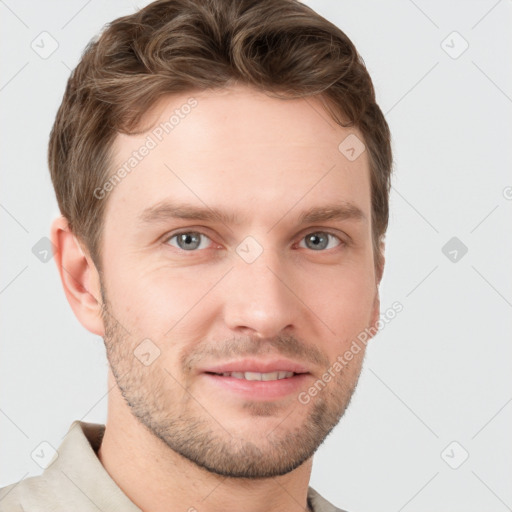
[{"x": 260, "y": 299}]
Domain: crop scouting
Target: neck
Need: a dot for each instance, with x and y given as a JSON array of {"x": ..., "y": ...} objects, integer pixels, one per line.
[{"x": 156, "y": 478}]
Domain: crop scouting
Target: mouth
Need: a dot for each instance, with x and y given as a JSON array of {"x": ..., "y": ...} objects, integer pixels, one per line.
[
  {"x": 258, "y": 380},
  {"x": 268, "y": 376},
  {"x": 258, "y": 369}
]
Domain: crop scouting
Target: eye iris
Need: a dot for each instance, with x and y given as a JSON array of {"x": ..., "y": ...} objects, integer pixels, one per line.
[
  {"x": 192, "y": 240},
  {"x": 317, "y": 241},
  {"x": 186, "y": 238}
]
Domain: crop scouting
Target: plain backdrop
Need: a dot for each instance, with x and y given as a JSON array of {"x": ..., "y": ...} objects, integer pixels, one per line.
[{"x": 429, "y": 425}]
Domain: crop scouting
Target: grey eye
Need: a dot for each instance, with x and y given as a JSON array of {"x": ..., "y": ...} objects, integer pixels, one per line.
[
  {"x": 188, "y": 240},
  {"x": 319, "y": 240}
]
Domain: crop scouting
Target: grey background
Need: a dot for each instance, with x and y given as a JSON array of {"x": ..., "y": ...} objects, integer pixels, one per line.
[{"x": 439, "y": 372}]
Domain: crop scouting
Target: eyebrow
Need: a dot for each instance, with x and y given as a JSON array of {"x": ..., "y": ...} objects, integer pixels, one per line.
[{"x": 170, "y": 210}]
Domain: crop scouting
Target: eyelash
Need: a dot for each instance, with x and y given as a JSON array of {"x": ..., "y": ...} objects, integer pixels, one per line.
[{"x": 173, "y": 235}]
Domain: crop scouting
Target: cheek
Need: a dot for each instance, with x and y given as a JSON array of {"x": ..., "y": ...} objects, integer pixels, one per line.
[
  {"x": 343, "y": 298},
  {"x": 156, "y": 301}
]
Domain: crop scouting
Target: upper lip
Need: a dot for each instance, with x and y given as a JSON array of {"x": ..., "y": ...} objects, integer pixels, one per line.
[{"x": 259, "y": 366}]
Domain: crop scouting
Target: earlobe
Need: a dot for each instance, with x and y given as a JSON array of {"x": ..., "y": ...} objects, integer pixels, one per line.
[
  {"x": 79, "y": 276},
  {"x": 376, "y": 303},
  {"x": 383, "y": 261},
  {"x": 376, "y": 310}
]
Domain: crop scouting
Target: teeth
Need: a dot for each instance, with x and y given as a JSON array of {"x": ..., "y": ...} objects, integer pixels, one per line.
[{"x": 259, "y": 376}]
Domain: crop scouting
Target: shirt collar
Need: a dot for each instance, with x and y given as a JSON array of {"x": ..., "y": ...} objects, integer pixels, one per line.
[{"x": 77, "y": 463}]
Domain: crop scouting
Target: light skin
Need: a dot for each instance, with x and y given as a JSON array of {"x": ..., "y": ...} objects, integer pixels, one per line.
[{"x": 175, "y": 436}]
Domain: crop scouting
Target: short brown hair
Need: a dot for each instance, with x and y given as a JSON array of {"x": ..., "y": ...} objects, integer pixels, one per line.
[{"x": 281, "y": 47}]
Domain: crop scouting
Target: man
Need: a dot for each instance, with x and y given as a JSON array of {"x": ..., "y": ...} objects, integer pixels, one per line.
[{"x": 223, "y": 173}]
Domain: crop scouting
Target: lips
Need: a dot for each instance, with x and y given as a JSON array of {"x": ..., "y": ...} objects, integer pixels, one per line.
[
  {"x": 258, "y": 375},
  {"x": 253, "y": 379},
  {"x": 259, "y": 390},
  {"x": 252, "y": 369}
]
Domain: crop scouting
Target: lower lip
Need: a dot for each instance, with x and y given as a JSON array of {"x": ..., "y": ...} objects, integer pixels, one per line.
[{"x": 259, "y": 389}]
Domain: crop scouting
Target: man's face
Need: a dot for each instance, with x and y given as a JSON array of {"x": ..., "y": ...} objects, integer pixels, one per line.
[{"x": 263, "y": 290}]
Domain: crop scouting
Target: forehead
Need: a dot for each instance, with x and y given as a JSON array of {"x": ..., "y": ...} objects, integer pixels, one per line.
[{"x": 240, "y": 150}]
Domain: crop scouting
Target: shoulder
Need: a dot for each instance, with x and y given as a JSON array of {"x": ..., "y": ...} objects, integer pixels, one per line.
[
  {"x": 319, "y": 503},
  {"x": 28, "y": 494}
]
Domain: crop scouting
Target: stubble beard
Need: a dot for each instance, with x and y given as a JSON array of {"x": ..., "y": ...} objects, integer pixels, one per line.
[{"x": 187, "y": 426}]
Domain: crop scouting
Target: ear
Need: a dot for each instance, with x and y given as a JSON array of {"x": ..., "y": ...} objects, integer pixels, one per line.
[
  {"x": 378, "y": 276},
  {"x": 79, "y": 276}
]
